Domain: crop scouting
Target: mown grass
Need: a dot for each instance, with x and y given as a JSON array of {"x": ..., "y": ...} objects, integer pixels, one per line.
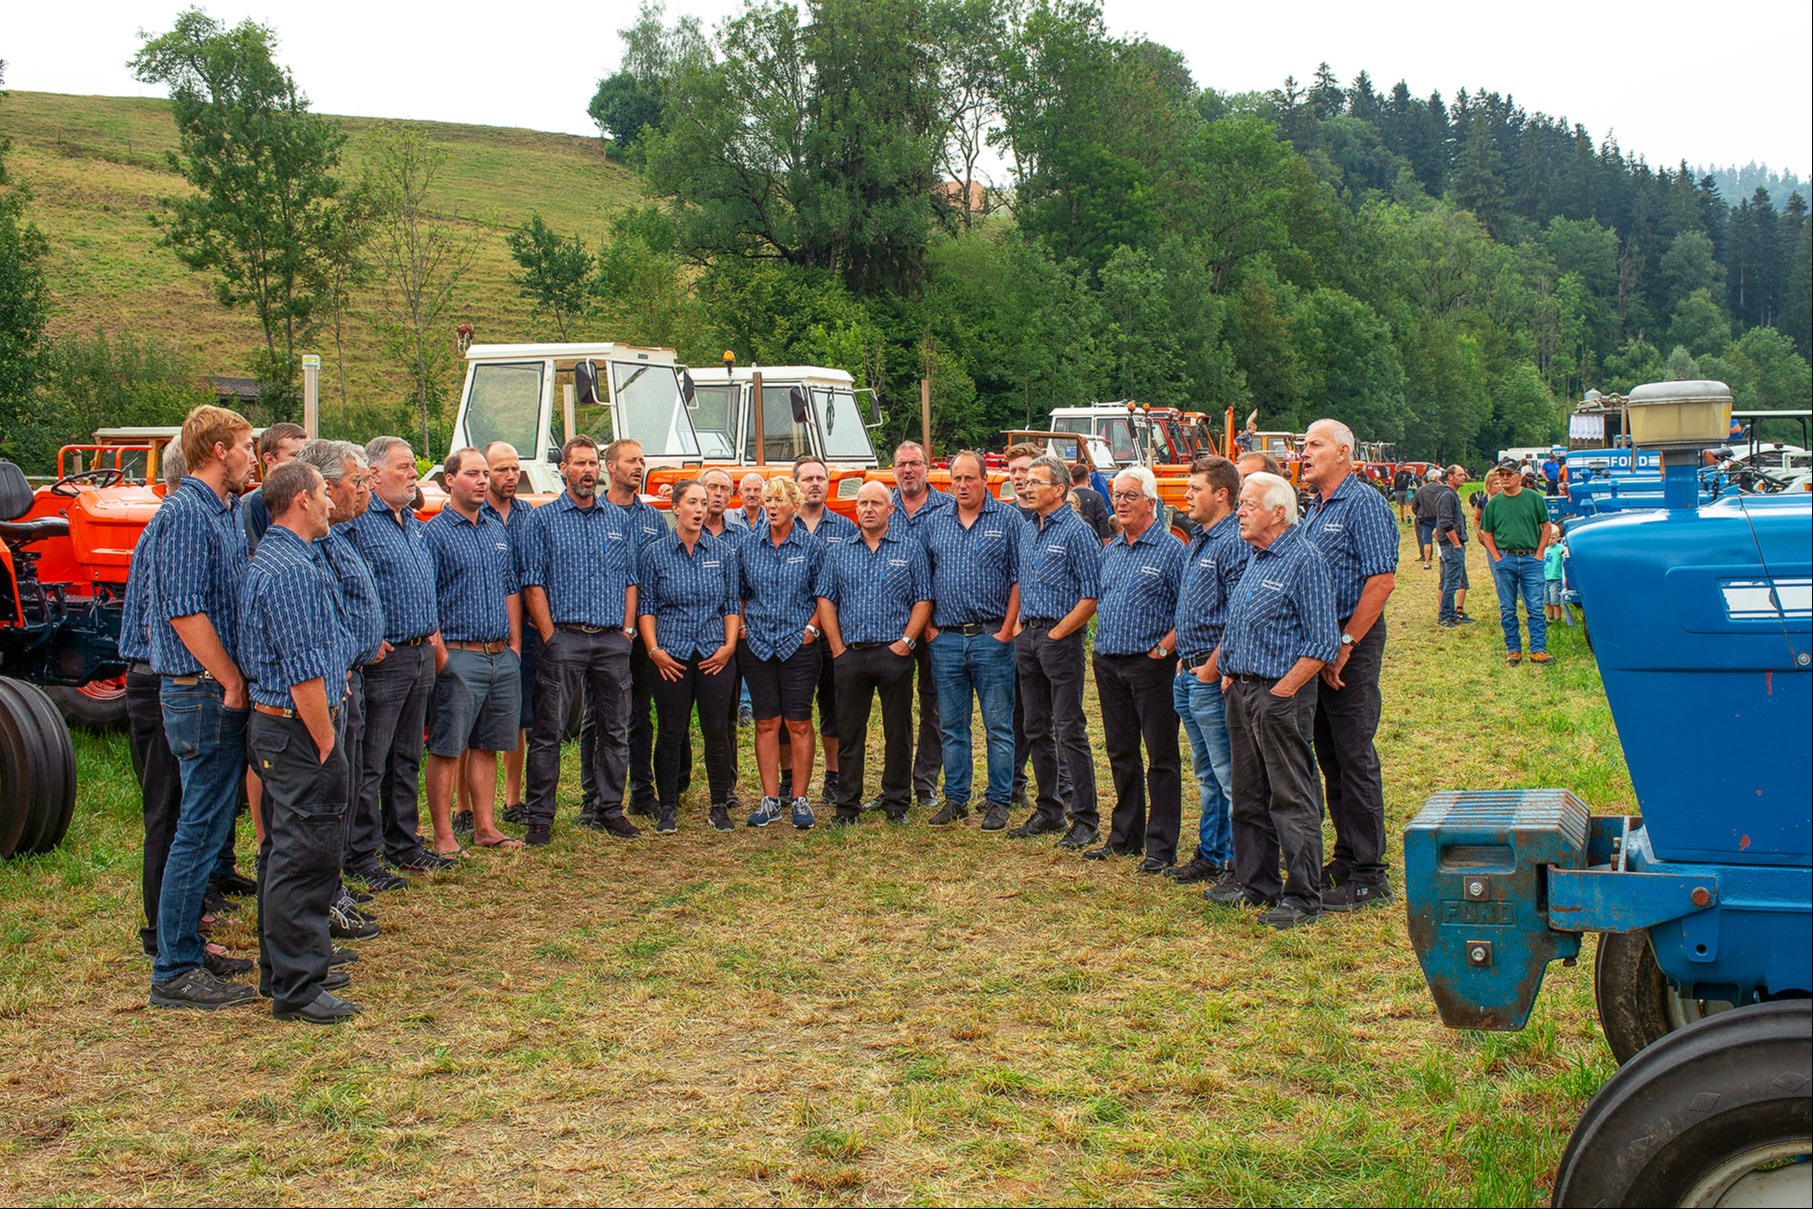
[{"x": 876, "y": 1015}]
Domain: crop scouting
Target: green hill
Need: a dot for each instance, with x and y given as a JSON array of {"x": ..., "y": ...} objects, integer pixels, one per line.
[{"x": 96, "y": 168}]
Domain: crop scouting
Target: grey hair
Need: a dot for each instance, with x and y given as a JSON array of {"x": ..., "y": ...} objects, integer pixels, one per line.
[
  {"x": 1055, "y": 467},
  {"x": 330, "y": 457},
  {"x": 1278, "y": 493},
  {"x": 378, "y": 449},
  {"x": 1343, "y": 434},
  {"x": 1148, "y": 482},
  {"x": 174, "y": 466}
]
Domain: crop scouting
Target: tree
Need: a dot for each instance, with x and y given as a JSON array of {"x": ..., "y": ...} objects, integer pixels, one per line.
[
  {"x": 262, "y": 215},
  {"x": 419, "y": 260},
  {"x": 1699, "y": 324},
  {"x": 24, "y": 308},
  {"x": 632, "y": 100},
  {"x": 558, "y": 273}
]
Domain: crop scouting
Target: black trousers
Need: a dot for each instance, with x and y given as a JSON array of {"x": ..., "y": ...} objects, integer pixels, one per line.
[
  {"x": 299, "y": 861},
  {"x": 1346, "y": 721},
  {"x": 1023, "y": 754},
  {"x": 675, "y": 701},
  {"x": 600, "y": 664},
  {"x": 1277, "y": 808},
  {"x": 641, "y": 774},
  {"x": 1057, "y": 731},
  {"x": 160, "y": 785},
  {"x": 862, "y": 675},
  {"x": 352, "y": 742},
  {"x": 390, "y": 774},
  {"x": 1134, "y": 692},
  {"x": 928, "y": 746}
]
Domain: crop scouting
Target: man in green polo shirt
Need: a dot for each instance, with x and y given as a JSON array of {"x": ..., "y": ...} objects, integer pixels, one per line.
[{"x": 1515, "y": 532}]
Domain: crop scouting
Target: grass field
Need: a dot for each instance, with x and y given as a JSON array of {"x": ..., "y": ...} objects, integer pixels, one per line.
[{"x": 876, "y": 1015}]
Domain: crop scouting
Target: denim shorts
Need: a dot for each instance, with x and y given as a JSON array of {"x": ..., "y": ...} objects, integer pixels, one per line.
[
  {"x": 1551, "y": 591},
  {"x": 475, "y": 703}
]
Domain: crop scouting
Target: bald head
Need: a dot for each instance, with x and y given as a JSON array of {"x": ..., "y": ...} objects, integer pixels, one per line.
[{"x": 874, "y": 504}]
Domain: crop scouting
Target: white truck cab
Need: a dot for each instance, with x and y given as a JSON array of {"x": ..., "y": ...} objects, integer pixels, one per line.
[{"x": 805, "y": 409}]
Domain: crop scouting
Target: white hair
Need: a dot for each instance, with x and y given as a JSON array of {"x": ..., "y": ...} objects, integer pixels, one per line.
[
  {"x": 751, "y": 476},
  {"x": 1342, "y": 433},
  {"x": 1148, "y": 482},
  {"x": 1278, "y": 493}
]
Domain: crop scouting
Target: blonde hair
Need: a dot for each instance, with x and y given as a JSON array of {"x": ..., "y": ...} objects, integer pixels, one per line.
[
  {"x": 206, "y": 427},
  {"x": 786, "y": 489}
]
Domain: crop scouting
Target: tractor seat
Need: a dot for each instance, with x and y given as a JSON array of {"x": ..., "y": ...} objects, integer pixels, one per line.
[
  {"x": 18, "y": 533},
  {"x": 15, "y": 492}
]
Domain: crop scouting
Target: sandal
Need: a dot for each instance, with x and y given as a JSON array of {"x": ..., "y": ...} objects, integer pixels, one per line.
[
  {"x": 453, "y": 854},
  {"x": 500, "y": 842}
]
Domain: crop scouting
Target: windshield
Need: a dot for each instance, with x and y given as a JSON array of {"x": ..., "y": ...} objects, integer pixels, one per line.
[
  {"x": 782, "y": 439},
  {"x": 840, "y": 425},
  {"x": 505, "y": 405},
  {"x": 1073, "y": 424},
  {"x": 649, "y": 403},
  {"x": 711, "y": 417},
  {"x": 1119, "y": 435}
]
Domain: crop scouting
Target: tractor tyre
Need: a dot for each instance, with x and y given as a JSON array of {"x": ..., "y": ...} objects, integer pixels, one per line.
[
  {"x": 1637, "y": 1004},
  {"x": 60, "y": 771},
  {"x": 40, "y": 773},
  {"x": 98, "y": 706},
  {"x": 1719, "y": 1112},
  {"x": 18, "y": 784}
]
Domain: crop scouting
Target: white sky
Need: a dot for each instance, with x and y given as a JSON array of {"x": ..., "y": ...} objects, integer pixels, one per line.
[{"x": 1669, "y": 83}]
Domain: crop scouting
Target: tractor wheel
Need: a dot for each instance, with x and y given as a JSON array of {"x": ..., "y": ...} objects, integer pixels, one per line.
[
  {"x": 1717, "y": 1113},
  {"x": 37, "y": 771},
  {"x": 1637, "y": 1005},
  {"x": 99, "y": 705}
]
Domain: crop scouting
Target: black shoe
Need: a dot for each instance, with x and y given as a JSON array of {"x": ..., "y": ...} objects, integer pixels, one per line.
[
  {"x": 1230, "y": 893},
  {"x": 844, "y": 818},
  {"x": 200, "y": 990},
  {"x": 1199, "y": 868},
  {"x": 222, "y": 966},
  {"x": 1349, "y": 896},
  {"x": 720, "y": 818},
  {"x": 342, "y": 957},
  {"x": 929, "y": 801},
  {"x": 462, "y": 823},
  {"x": 1288, "y": 915},
  {"x": 617, "y": 825},
  {"x": 358, "y": 896},
  {"x": 1037, "y": 825},
  {"x": 324, "y": 1008},
  {"x": 994, "y": 818},
  {"x": 213, "y": 902},
  {"x": 1080, "y": 836},
  {"x": 1334, "y": 873},
  {"x": 1108, "y": 850},
  {"x": 513, "y": 815},
  {"x": 786, "y": 788},
  {"x": 379, "y": 879},
  {"x": 423, "y": 861},
  {"x": 344, "y": 924},
  {"x": 1155, "y": 864},
  {"x": 643, "y": 806},
  {"x": 233, "y": 885},
  {"x": 1017, "y": 799},
  {"x": 898, "y": 820},
  {"x": 333, "y": 980},
  {"x": 667, "y": 820},
  {"x": 539, "y": 835},
  {"x": 828, "y": 795},
  {"x": 950, "y": 814}
]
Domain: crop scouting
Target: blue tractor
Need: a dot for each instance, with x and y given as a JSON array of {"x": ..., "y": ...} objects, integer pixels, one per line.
[{"x": 1703, "y": 631}]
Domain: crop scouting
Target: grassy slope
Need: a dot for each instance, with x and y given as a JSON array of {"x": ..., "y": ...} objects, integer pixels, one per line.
[
  {"x": 872, "y": 1016},
  {"x": 96, "y": 168}
]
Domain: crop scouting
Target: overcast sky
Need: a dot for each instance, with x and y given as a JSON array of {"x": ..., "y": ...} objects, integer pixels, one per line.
[{"x": 1667, "y": 82}]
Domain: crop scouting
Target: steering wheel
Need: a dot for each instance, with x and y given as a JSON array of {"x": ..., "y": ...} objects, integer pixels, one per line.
[{"x": 109, "y": 476}]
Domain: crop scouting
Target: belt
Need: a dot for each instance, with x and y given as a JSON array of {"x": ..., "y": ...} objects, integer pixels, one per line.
[
  {"x": 1038, "y": 623},
  {"x": 410, "y": 642},
  {"x": 333, "y": 711},
  {"x": 202, "y": 677},
  {"x": 1194, "y": 658},
  {"x": 1247, "y": 678},
  {"x": 479, "y": 648},
  {"x": 867, "y": 646},
  {"x": 977, "y": 627},
  {"x": 579, "y": 627},
  {"x": 139, "y": 667},
  {"x": 1518, "y": 552}
]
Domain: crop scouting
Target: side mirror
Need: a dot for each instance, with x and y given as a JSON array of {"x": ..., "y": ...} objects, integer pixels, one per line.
[
  {"x": 831, "y": 414},
  {"x": 585, "y": 384},
  {"x": 688, "y": 391},
  {"x": 797, "y": 397},
  {"x": 554, "y": 458}
]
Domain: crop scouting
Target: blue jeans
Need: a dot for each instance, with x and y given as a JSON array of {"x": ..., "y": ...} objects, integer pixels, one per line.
[
  {"x": 1204, "y": 715},
  {"x": 980, "y": 666},
  {"x": 1454, "y": 579},
  {"x": 1520, "y": 575},
  {"x": 208, "y": 741}
]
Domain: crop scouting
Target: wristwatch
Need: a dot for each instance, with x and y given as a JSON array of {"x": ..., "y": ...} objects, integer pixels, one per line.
[
  {"x": 1161, "y": 650},
  {"x": 910, "y": 642},
  {"x": 629, "y": 631},
  {"x": 1347, "y": 639},
  {"x": 814, "y": 631}
]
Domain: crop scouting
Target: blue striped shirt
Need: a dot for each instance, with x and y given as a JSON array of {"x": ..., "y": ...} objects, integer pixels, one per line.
[
  {"x": 1060, "y": 565},
  {"x": 936, "y": 504},
  {"x": 1213, "y": 564},
  {"x": 1358, "y": 538},
  {"x": 359, "y": 591},
  {"x": 135, "y": 646},
  {"x": 778, "y": 589},
  {"x": 514, "y": 528},
  {"x": 640, "y": 522},
  {"x": 974, "y": 568},
  {"x": 688, "y": 595},
  {"x": 293, "y": 629},
  {"x": 1282, "y": 610},
  {"x": 581, "y": 558},
  {"x": 736, "y": 518},
  {"x": 875, "y": 590},
  {"x": 400, "y": 563},
  {"x": 474, "y": 576},
  {"x": 834, "y": 528},
  {"x": 1140, "y": 580},
  {"x": 197, "y": 564}
]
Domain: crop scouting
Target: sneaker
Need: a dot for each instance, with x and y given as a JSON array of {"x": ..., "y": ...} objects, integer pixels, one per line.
[
  {"x": 218, "y": 963},
  {"x": 423, "y": 861},
  {"x": 462, "y": 823},
  {"x": 513, "y": 815},
  {"x": 766, "y": 812},
  {"x": 802, "y": 814},
  {"x": 1018, "y": 797},
  {"x": 213, "y": 902},
  {"x": 538, "y": 835},
  {"x": 345, "y": 922},
  {"x": 1514, "y": 657},
  {"x": 667, "y": 819},
  {"x": 342, "y": 957},
  {"x": 720, "y": 819},
  {"x": 951, "y": 813},
  {"x": 1288, "y": 915},
  {"x": 1154, "y": 864},
  {"x": 898, "y": 820},
  {"x": 1230, "y": 893},
  {"x": 1080, "y": 836},
  {"x": 843, "y": 818},
  {"x": 1448, "y": 625},
  {"x": 745, "y": 715},
  {"x": 358, "y": 896},
  {"x": 786, "y": 788},
  {"x": 1541, "y": 657},
  {"x": 378, "y": 879},
  {"x": 1108, "y": 850},
  {"x": 1352, "y": 897},
  {"x": 1037, "y": 825},
  {"x": 828, "y": 795},
  {"x": 324, "y": 1008},
  {"x": 928, "y": 802},
  {"x": 1463, "y": 619},
  {"x": 1199, "y": 868},
  {"x": 995, "y": 818},
  {"x": 1334, "y": 873},
  {"x": 234, "y": 884},
  {"x": 643, "y": 806},
  {"x": 200, "y": 990}
]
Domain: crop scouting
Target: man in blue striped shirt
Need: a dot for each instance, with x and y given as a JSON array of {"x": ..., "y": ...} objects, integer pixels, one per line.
[
  {"x": 1280, "y": 633},
  {"x": 504, "y": 475},
  {"x": 1213, "y": 564},
  {"x": 1060, "y": 581},
  {"x": 833, "y": 529},
  {"x": 875, "y": 598},
  {"x": 579, "y": 589},
  {"x": 1352, "y": 527},
  {"x": 1135, "y": 661},
  {"x": 298, "y": 650},
  {"x": 974, "y": 549},
  {"x": 397, "y": 686},
  {"x": 916, "y": 503},
  {"x": 624, "y": 470},
  {"x": 477, "y": 691},
  {"x": 197, "y": 563}
]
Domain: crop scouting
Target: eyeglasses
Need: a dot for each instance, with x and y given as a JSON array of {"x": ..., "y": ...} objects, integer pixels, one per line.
[
  {"x": 908, "y": 464},
  {"x": 1126, "y": 497},
  {"x": 1031, "y": 482}
]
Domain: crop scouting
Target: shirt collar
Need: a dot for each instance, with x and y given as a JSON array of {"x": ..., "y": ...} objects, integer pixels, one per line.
[
  {"x": 280, "y": 537},
  {"x": 203, "y": 491},
  {"x": 1151, "y": 530},
  {"x": 1284, "y": 541},
  {"x": 566, "y": 502}
]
